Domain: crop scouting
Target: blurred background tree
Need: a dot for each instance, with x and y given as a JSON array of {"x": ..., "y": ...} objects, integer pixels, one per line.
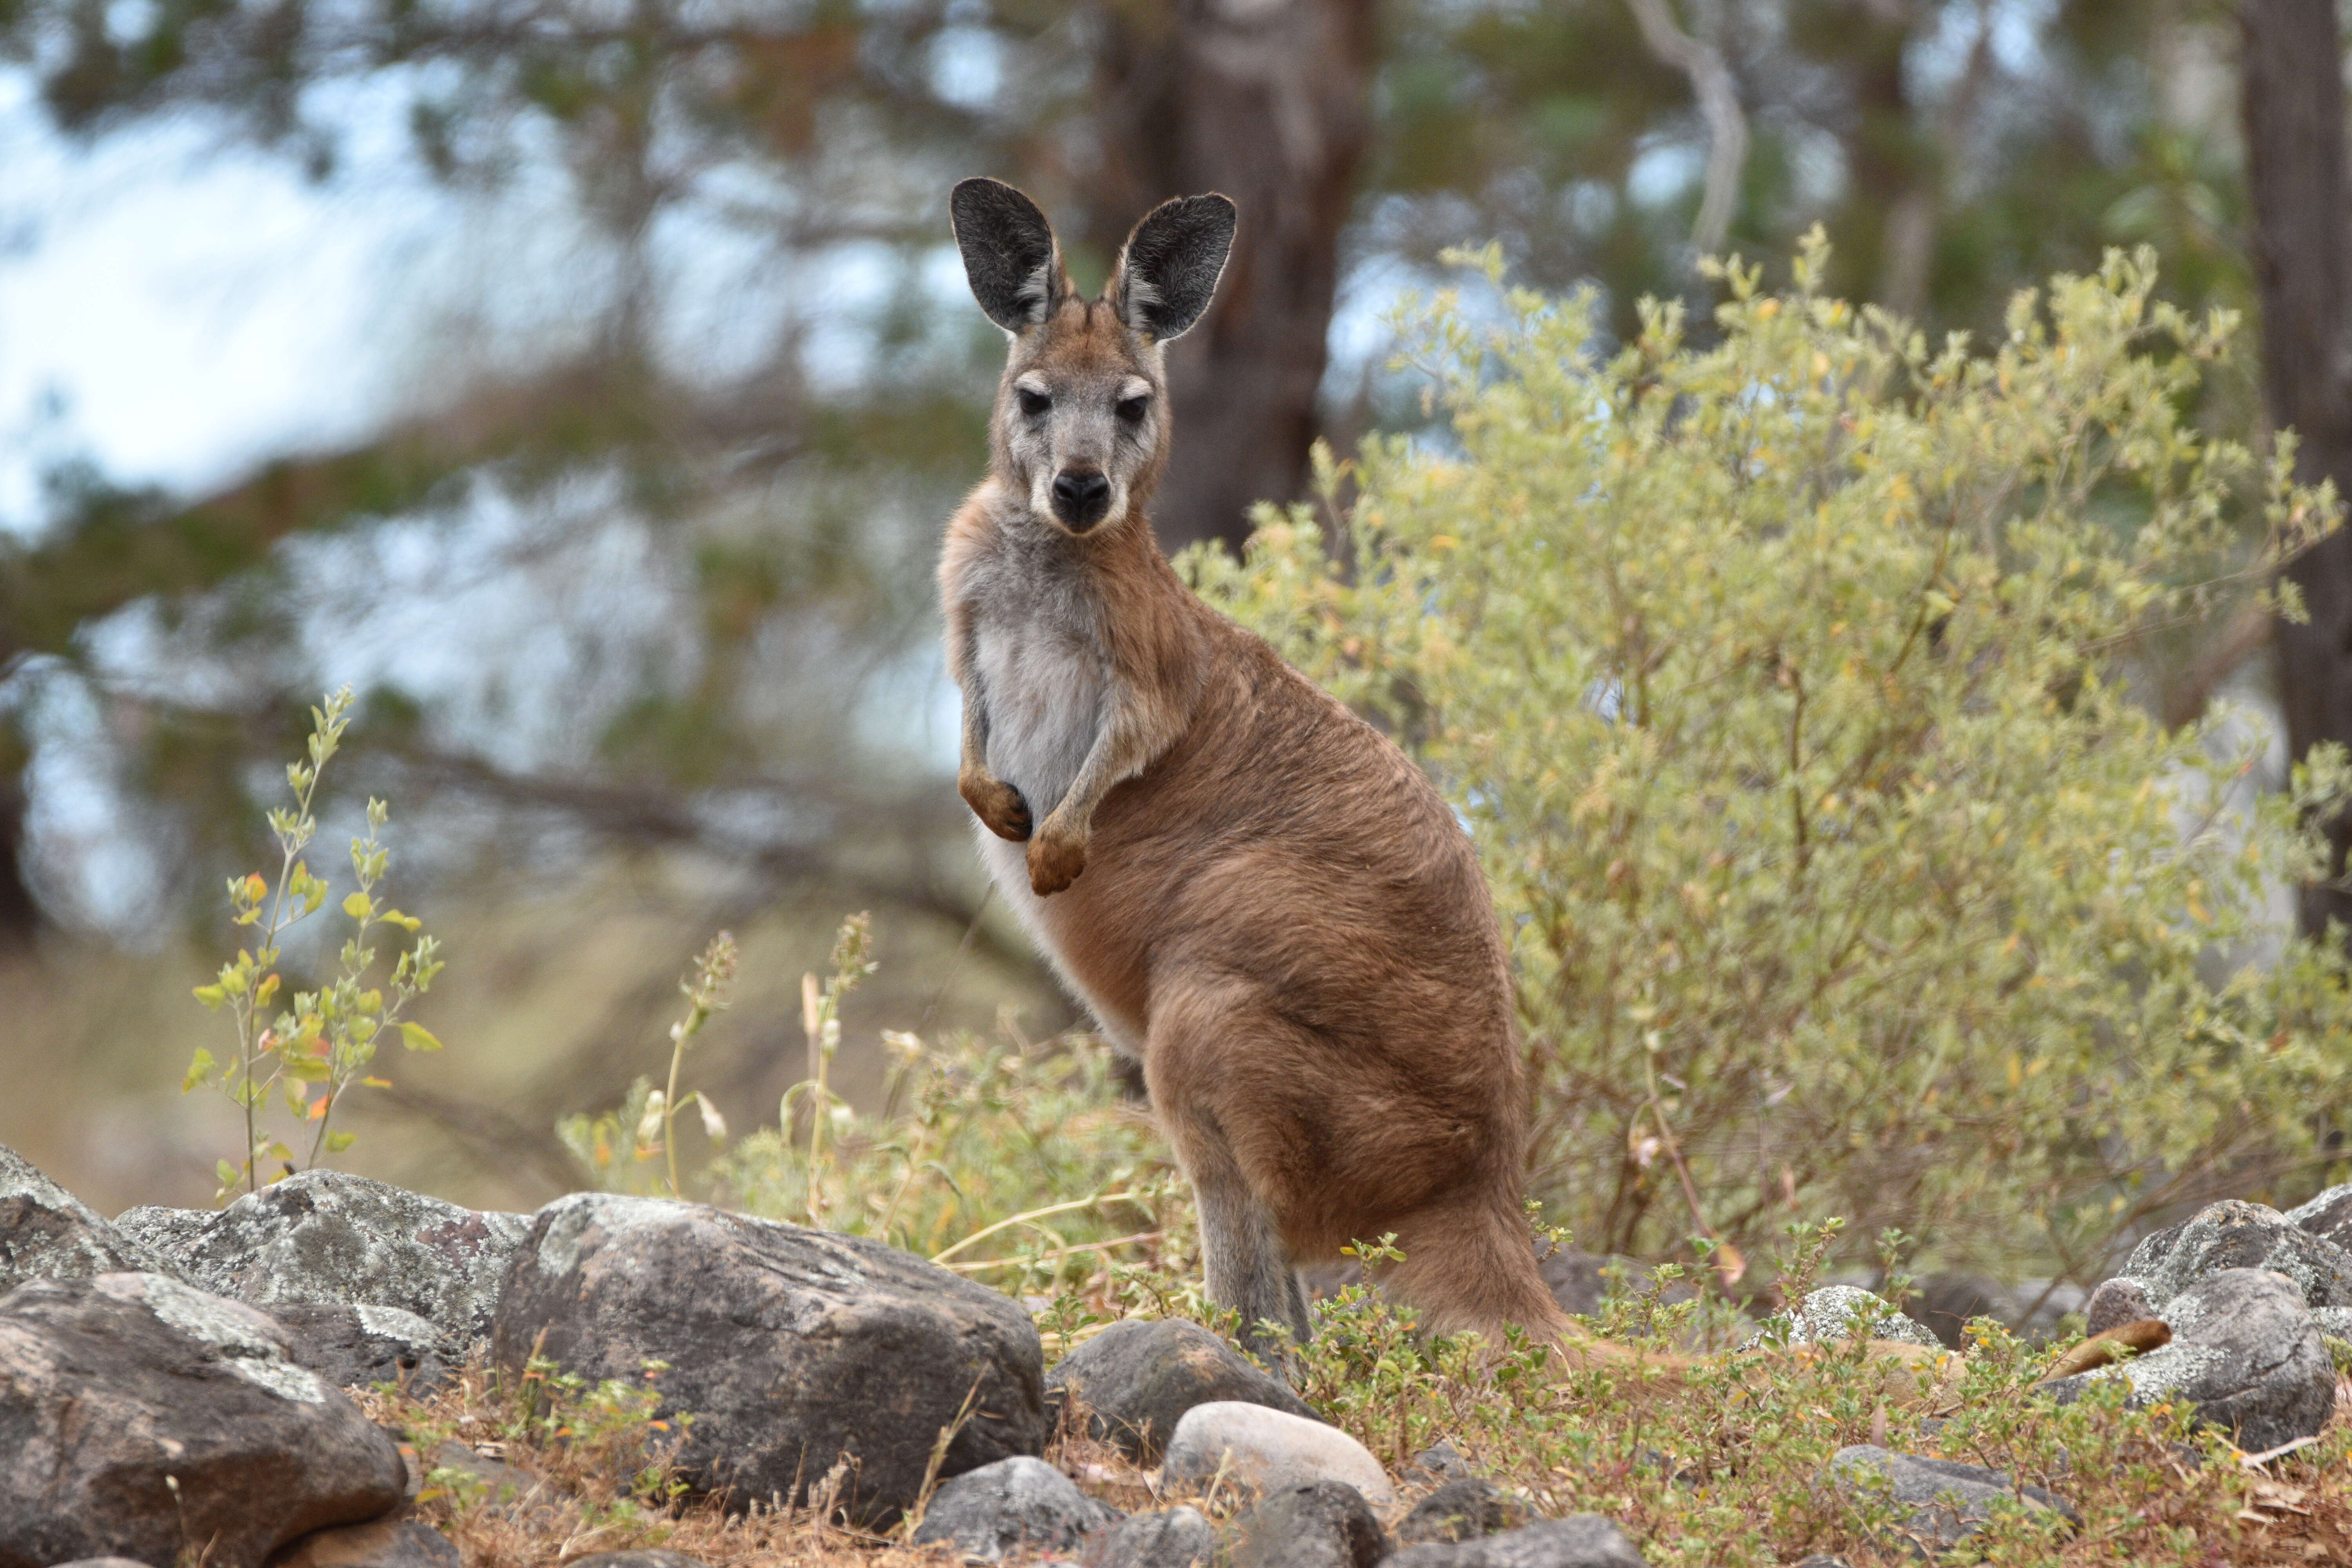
[{"x": 631, "y": 566}]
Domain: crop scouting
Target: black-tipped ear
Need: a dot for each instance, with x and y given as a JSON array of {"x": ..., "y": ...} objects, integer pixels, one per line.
[
  {"x": 1168, "y": 269},
  {"x": 1008, "y": 253}
]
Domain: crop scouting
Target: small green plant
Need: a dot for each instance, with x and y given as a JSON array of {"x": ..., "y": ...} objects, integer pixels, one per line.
[
  {"x": 617, "y": 1142},
  {"x": 819, "y": 1106},
  {"x": 324, "y": 1044}
]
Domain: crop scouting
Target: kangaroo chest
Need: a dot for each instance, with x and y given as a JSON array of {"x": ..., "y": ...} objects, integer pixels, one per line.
[{"x": 1043, "y": 680}]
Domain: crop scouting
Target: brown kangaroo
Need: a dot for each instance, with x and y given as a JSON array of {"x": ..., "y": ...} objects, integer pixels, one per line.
[{"x": 1255, "y": 892}]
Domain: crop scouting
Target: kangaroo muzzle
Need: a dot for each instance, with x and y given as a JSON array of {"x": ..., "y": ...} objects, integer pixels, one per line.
[{"x": 1081, "y": 498}]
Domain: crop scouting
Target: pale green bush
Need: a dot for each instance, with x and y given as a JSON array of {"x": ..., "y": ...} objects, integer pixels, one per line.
[{"x": 1783, "y": 686}]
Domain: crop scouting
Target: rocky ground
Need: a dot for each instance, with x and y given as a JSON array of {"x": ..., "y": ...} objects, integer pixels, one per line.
[{"x": 338, "y": 1374}]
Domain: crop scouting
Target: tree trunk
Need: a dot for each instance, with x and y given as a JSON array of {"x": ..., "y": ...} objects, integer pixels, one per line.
[
  {"x": 1269, "y": 101},
  {"x": 2294, "y": 108}
]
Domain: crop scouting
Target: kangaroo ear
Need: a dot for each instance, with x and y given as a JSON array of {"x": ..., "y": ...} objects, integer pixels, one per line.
[
  {"x": 1168, "y": 269},
  {"x": 1009, "y": 254}
]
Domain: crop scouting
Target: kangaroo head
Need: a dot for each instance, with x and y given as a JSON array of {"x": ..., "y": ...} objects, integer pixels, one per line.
[{"x": 1081, "y": 423}]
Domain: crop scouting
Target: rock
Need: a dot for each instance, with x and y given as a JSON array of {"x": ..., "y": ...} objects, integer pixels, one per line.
[
  {"x": 47, "y": 1233},
  {"x": 387, "y": 1543},
  {"x": 353, "y": 1347},
  {"x": 1580, "y": 1541},
  {"x": 2244, "y": 1352},
  {"x": 1320, "y": 1524},
  {"x": 1269, "y": 1450},
  {"x": 2328, "y": 1216},
  {"x": 505, "y": 1490},
  {"x": 1137, "y": 1377},
  {"x": 1444, "y": 1461},
  {"x": 1946, "y": 1502},
  {"x": 2234, "y": 1235},
  {"x": 115, "y": 1389},
  {"x": 638, "y": 1557},
  {"x": 1461, "y": 1511},
  {"x": 327, "y": 1238},
  {"x": 1174, "y": 1538},
  {"x": 2117, "y": 1302},
  {"x": 792, "y": 1348},
  {"x": 1945, "y": 1304},
  {"x": 2336, "y": 1322},
  {"x": 1844, "y": 1312},
  {"x": 1008, "y": 1506}
]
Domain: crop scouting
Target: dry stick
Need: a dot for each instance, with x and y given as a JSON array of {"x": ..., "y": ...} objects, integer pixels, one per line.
[
  {"x": 938, "y": 1456},
  {"x": 1031, "y": 1215},
  {"x": 1060, "y": 1252},
  {"x": 1733, "y": 1265}
]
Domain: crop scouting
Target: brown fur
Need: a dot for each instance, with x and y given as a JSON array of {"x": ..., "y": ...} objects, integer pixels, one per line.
[{"x": 1255, "y": 891}]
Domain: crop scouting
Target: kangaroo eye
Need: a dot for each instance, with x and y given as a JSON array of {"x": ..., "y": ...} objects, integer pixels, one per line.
[
  {"x": 1131, "y": 409},
  {"x": 1034, "y": 403}
]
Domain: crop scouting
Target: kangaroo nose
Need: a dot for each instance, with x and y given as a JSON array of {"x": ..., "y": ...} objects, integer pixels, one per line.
[{"x": 1081, "y": 497}]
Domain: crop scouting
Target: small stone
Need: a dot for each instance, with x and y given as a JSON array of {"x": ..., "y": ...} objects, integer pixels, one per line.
[
  {"x": 1844, "y": 1312},
  {"x": 1269, "y": 1450},
  {"x": 2234, "y": 1235},
  {"x": 141, "y": 1414},
  {"x": 1137, "y": 1377},
  {"x": 2245, "y": 1351},
  {"x": 47, "y": 1233},
  {"x": 328, "y": 1237},
  {"x": 1321, "y": 1524},
  {"x": 1014, "y": 1504},
  {"x": 385, "y": 1543},
  {"x": 1580, "y": 1541},
  {"x": 1948, "y": 1501},
  {"x": 1461, "y": 1511},
  {"x": 1173, "y": 1538},
  {"x": 794, "y": 1349},
  {"x": 2120, "y": 1301},
  {"x": 1445, "y": 1462},
  {"x": 101, "y": 1562}
]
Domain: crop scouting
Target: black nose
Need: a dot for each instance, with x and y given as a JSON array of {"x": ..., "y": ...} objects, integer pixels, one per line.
[{"x": 1081, "y": 496}]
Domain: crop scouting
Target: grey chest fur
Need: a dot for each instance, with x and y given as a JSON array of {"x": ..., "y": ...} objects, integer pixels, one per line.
[{"x": 1043, "y": 677}]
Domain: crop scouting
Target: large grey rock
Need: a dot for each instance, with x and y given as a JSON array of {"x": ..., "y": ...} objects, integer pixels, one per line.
[
  {"x": 47, "y": 1233},
  {"x": 1015, "y": 1505},
  {"x": 1268, "y": 1450},
  {"x": 1461, "y": 1511},
  {"x": 2244, "y": 1352},
  {"x": 1945, "y": 1501},
  {"x": 324, "y": 1236},
  {"x": 139, "y": 1414},
  {"x": 1173, "y": 1538},
  {"x": 792, "y": 1348},
  {"x": 1320, "y": 1524},
  {"x": 2328, "y": 1216},
  {"x": 356, "y": 1347},
  {"x": 1580, "y": 1541},
  {"x": 1137, "y": 1377},
  {"x": 1844, "y": 1312},
  {"x": 2234, "y": 1235},
  {"x": 386, "y": 1543}
]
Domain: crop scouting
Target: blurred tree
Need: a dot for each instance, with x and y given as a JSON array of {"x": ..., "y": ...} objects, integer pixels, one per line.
[
  {"x": 785, "y": 515},
  {"x": 2292, "y": 99}
]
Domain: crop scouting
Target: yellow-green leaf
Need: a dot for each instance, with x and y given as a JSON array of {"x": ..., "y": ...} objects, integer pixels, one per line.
[{"x": 418, "y": 1037}]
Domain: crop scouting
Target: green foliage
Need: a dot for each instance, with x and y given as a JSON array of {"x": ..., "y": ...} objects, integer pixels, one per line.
[
  {"x": 1785, "y": 686},
  {"x": 327, "y": 1038}
]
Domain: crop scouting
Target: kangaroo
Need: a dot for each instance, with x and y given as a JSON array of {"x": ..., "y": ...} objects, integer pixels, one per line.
[{"x": 1256, "y": 893}]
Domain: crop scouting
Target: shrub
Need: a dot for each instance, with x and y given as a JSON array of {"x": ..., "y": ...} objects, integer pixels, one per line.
[
  {"x": 1785, "y": 686},
  {"x": 327, "y": 1039}
]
